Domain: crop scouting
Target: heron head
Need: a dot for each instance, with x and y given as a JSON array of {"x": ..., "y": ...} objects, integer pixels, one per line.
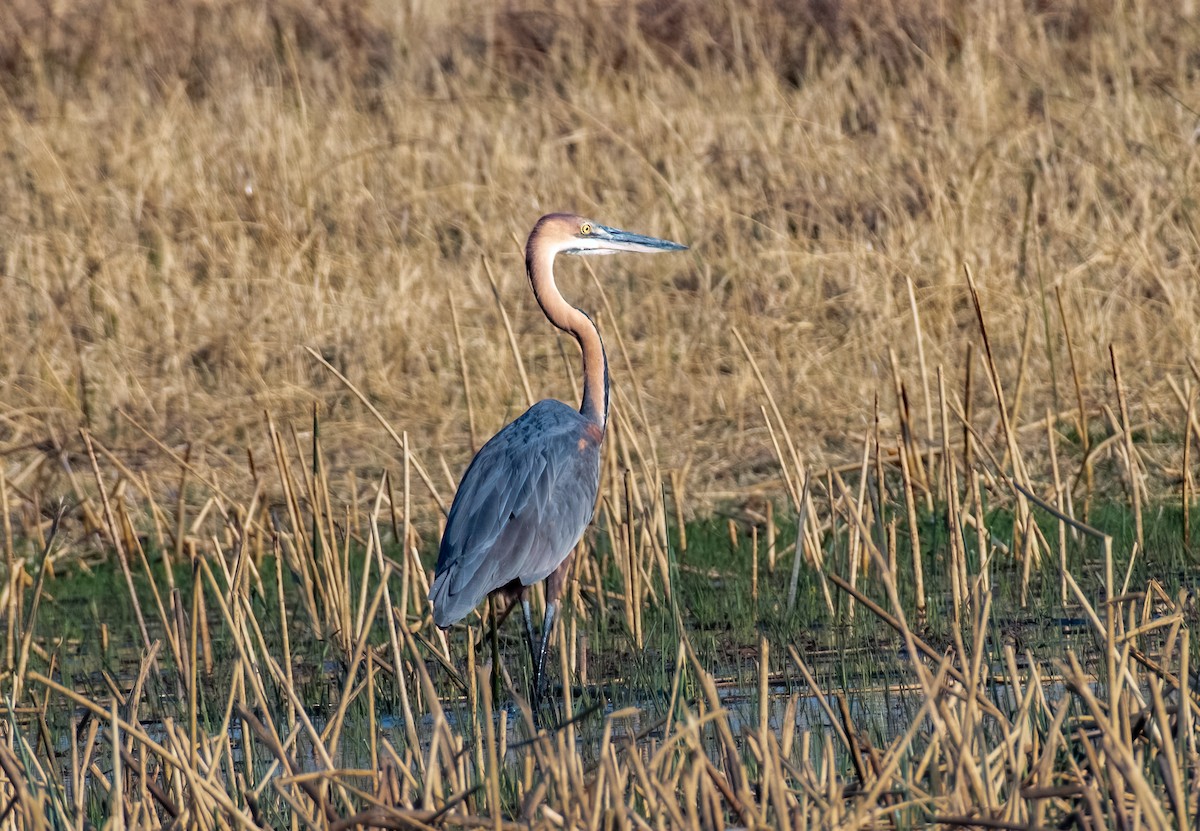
[{"x": 571, "y": 234}]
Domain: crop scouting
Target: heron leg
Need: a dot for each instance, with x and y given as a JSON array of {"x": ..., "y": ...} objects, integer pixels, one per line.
[
  {"x": 547, "y": 632},
  {"x": 555, "y": 584},
  {"x": 510, "y": 603},
  {"x": 532, "y": 641},
  {"x": 495, "y": 648}
]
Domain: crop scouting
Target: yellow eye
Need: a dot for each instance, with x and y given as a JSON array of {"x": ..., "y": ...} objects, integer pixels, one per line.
[{"x": 585, "y": 228}]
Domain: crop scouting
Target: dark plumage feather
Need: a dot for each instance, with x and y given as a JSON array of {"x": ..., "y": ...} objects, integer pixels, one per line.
[{"x": 521, "y": 506}]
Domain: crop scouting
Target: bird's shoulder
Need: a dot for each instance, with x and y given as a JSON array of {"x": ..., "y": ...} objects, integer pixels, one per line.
[
  {"x": 548, "y": 426},
  {"x": 550, "y": 415}
]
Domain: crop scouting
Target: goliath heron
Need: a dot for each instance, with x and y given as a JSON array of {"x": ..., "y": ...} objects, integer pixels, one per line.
[{"x": 528, "y": 495}]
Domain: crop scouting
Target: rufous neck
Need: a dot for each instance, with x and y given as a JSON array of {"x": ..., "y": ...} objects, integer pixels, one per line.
[{"x": 539, "y": 263}]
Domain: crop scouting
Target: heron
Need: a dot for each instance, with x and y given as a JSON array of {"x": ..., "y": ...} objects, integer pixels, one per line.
[{"x": 529, "y": 493}]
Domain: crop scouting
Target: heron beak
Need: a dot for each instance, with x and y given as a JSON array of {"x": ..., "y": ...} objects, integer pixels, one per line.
[{"x": 614, "y": 239}]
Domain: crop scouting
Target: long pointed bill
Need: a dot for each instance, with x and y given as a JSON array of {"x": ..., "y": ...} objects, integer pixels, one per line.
[{"x": 614, "y": 239}]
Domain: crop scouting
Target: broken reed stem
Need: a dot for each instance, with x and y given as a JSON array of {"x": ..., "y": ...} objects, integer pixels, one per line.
[
  {"x": 798, "y": 554},
  {"x": 512, "y": 339},
  {"x": 907, "y": 434},
  {"x": 180, "y": 514},
  {"x": 880, "y": 492},
  {"x": 462, "y": 370},
  {"x": 959, "y": 592},
  {"x": 633, "y": 593},
  {"x": 15, "y": 577},
  {"x": 968, "y": 364},
  {"x": 1021, "y": 520},
  {"x": 114, "y": 533},
  {"x": 859, "y": 563},
  {"x": 1058, "y": 497},
  {"x": 473, "y": 686},
  {"x": 754, "y": 566},
  {"x": 764, "y": 702},
  {"x": 914, "y": 530},
  {"x": 920, "y": 338},
  {"x": 383, "y": 423},
  {"x": 1084, "y": 436},
  {"x": 770, "y": 537},
  {"x": 22, "y": 662},
  {"x": 953, "y": 498},
  {"x": 1131, "y": 457},
  {"x": 1022, "y": 365},
  {"x": 1187, "y": 472},
  {"x": 762, "y": 383},
  {"x": 680, "y": 525},
  {"x": 490, "y": 773}
]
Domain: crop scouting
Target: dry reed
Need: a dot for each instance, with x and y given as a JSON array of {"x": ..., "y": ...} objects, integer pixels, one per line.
[{"x": 196, "y": 197}]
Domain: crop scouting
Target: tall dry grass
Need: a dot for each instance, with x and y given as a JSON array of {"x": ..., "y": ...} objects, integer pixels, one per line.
[
  {"x": 193, "y": 194},
  {"x": 225, "y": 723},
  {"x": 977, "y": 216}
]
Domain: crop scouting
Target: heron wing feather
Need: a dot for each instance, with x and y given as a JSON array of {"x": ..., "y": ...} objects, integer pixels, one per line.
[{"x": 521, "y": 506}]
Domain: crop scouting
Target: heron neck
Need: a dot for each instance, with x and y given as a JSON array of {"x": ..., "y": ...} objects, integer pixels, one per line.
[{"x": 540, "y": 265}]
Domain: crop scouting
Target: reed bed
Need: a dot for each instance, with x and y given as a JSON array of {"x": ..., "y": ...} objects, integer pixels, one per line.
[
  {"x": 895, "y": 520},
  {"x": 271, "y": 656},
  {"x": 227, "y": 721}
]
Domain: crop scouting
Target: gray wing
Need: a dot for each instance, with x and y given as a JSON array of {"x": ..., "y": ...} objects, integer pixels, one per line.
[{"x": 522, "y": 505}]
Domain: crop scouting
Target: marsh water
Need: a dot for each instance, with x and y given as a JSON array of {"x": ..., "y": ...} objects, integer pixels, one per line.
[
  {"x": 91, "y": 642},
  {"x": 869, "y": 690}
]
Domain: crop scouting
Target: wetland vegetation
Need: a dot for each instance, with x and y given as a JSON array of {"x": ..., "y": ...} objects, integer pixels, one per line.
[{"x": 896, "y": 526}]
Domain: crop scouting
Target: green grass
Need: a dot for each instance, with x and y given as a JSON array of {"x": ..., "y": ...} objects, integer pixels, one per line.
[{"x": 713, "y": 593}]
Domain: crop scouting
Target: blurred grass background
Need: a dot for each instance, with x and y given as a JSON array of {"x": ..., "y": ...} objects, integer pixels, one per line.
[{"x": 195, "y": 191}]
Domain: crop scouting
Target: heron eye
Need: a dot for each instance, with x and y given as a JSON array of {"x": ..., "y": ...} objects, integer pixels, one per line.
[{"x": 585, "y": 228}]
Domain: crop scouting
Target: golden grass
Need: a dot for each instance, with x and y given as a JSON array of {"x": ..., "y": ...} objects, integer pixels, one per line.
[
  {"x": 882, "y": 202},
  {"x": 193, "y": 195}
]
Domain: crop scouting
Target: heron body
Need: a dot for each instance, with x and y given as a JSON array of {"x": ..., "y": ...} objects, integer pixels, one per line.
[
  {"x": 529, "y": 493},
  {"x": 523, "y": 504}
]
